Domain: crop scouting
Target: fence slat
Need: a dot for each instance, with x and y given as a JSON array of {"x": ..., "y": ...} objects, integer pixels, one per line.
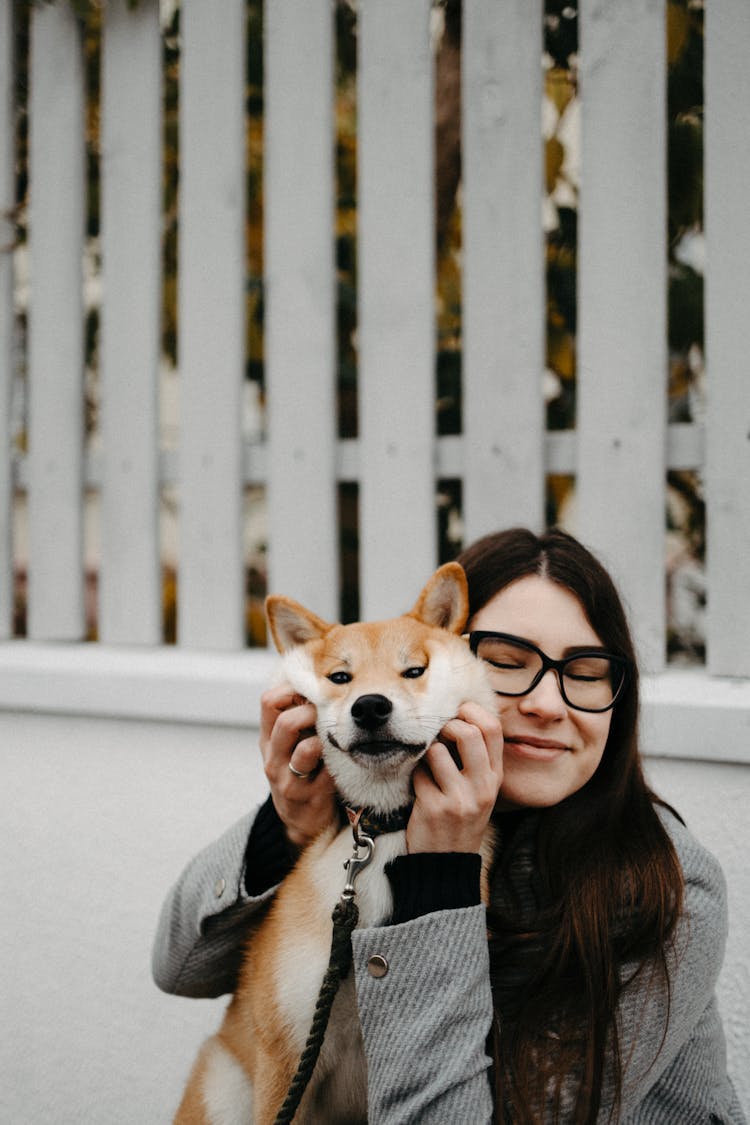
[
  {"x": 7, "y": 154},
  {"x": 503, "y": 280},
  {"x": 56, "y": 342},
  {"x": 300, "y": 302},
  {"x": 129, "y": 585},
  {"x": 727, "y": 164},
  {"x": 622, "y": 295},
  {"x": 396, "y": 302},
  {"x": 211, "y": 329}
]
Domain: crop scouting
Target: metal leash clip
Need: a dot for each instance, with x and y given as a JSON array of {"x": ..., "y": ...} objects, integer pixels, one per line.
[{"x": 356, "y": 862}]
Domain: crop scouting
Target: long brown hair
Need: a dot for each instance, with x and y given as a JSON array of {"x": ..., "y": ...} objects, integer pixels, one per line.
[{"x": 608, "y": 882}]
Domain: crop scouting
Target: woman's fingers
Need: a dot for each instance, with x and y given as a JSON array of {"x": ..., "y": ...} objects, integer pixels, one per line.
[
  {"x": 474, "y": 750},
  {"x": 306, "y": 757},
  {"x": 286, "y": 720},
  {"x": 304, "y": 804},
  {"x": 272, "y": 702},
  {"x": 454, "y": 801},
  {"x": 477, "y": 751},
  {"x": 278, "y": 702},
  {"x": 303, "y": 796}
]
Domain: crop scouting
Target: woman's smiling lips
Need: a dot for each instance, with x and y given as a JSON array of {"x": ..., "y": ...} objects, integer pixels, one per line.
[{"x": 540, "y": 749}]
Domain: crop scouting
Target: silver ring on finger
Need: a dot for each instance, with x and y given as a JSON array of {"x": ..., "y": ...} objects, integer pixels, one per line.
[{"x": 299, "y": 773}]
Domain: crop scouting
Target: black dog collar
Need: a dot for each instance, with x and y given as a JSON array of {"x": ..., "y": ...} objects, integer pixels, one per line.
[{"x": 371, "y": 823}]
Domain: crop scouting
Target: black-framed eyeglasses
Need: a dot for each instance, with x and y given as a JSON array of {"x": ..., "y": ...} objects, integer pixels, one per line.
[{"x": 590, "y": 680}]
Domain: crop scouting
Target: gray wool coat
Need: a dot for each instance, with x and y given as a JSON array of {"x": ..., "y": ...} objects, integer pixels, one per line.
[{"x": 426, "y": 1021}]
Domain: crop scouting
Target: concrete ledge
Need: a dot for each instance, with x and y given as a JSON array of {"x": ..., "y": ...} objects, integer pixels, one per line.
[
  {"x": 686, "y": 713},
  {"x": 692, "y": 715},
  {"x": 165, "y": 684}
]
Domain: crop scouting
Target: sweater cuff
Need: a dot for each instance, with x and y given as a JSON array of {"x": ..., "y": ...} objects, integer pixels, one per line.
[
  {"x": 424, "y": 882},
  {"x": 269, "y": 857}
]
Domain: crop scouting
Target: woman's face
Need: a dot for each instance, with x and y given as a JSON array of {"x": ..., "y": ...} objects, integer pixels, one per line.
[{"x": 551, "y": 750}]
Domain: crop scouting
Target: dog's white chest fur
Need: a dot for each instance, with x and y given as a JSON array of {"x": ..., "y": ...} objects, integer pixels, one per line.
[
  {"x": 324, "y": 875},
  {"x": 338, "y": 1088}
]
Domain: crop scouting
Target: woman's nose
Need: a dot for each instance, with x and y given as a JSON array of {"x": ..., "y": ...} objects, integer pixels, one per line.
[{"x": 546, "y": 698}]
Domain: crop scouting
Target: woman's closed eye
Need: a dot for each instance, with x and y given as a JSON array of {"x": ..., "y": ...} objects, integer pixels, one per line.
[{"x": 592, "y": 670}]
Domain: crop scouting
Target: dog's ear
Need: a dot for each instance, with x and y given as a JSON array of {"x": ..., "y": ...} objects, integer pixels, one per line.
[
  {"x": 291, "y": 624},
  {"x": 444, "y": 601}
]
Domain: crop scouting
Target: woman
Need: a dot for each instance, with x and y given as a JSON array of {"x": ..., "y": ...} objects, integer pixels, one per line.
[{"x": 607, "y": 920}]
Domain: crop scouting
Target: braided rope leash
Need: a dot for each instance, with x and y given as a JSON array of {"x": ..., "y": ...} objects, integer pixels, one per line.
[{"x": 345, "y": 916}]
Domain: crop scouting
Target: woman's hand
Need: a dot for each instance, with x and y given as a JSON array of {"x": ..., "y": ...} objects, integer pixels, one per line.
[
  {"x": 287, "y": 734},
  {"x": 453, "y": 806}
]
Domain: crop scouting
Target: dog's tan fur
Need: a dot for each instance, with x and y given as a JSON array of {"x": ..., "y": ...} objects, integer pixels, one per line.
[{"x": 242, "y": 1074}]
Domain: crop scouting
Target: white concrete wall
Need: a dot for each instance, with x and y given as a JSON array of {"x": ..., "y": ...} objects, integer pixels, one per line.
[
  {"x": 98, "y": 818},
  {"x": 713, "y": 799}
]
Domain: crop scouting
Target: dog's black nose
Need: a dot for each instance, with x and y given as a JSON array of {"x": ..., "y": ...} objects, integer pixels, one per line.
[{"x": 371, "y": 711}]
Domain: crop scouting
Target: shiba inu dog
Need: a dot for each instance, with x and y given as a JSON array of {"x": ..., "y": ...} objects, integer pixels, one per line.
[{"x": 383, "y": 691}]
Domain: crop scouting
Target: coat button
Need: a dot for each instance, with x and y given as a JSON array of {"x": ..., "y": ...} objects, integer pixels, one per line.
[
  {"x": 219, "y": 887},
  {"x": 377, "y": 966}
]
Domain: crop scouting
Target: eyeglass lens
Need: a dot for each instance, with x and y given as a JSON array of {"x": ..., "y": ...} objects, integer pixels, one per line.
[{"x": 589, "y": 682}]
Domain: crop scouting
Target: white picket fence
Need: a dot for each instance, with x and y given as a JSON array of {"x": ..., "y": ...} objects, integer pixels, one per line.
[
  {"x": 622, "y": 445},
  {"x": 619, "y": 452}
]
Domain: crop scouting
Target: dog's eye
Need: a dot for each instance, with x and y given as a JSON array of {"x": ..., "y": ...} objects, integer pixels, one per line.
[
  {"x": 340, "y": 677},
  {"x": 413, "y": 673}
]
